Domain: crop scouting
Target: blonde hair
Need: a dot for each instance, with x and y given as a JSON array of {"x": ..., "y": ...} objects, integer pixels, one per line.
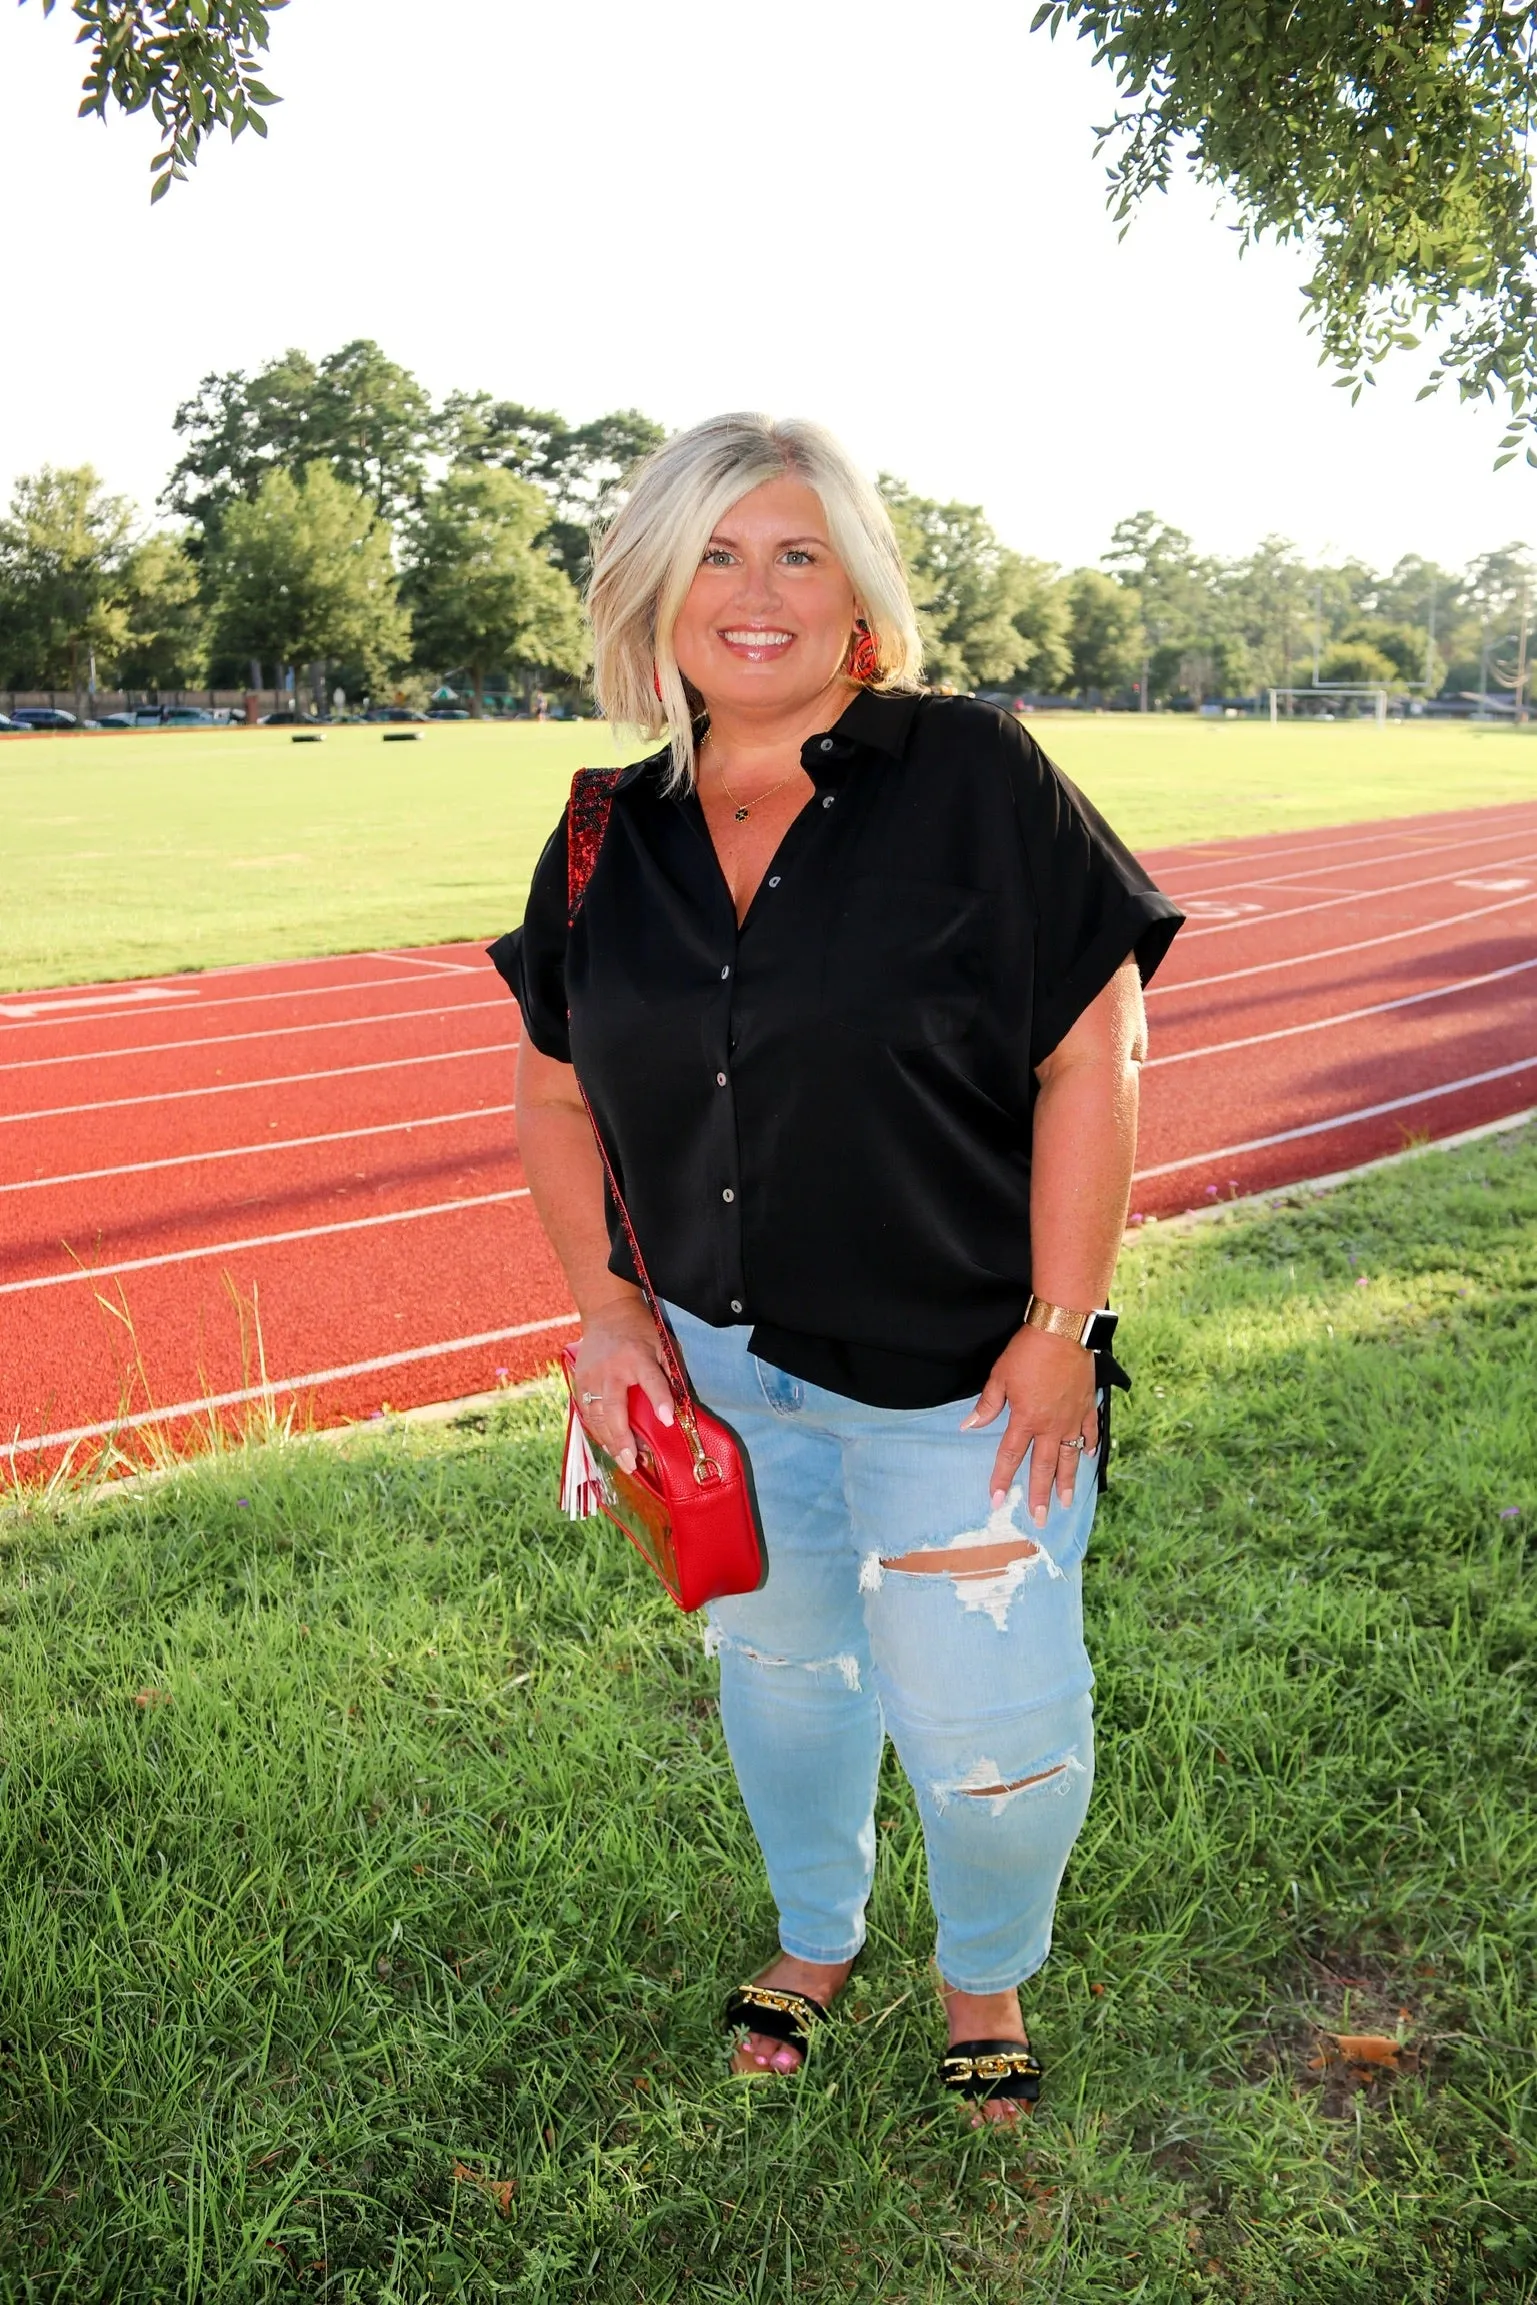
[{"x": 645, "y": 560}]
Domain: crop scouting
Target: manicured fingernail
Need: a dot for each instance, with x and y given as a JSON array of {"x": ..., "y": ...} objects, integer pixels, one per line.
[
  {"x": 785, "y": 2061},
  {"x": 998, "y": 1499},
  {"x": 626, "y": 1460},
  {"x": 664, "y": 1413},
  {"x": 1038, "y": 1515},
  {"x": 968, "y": 1422}
]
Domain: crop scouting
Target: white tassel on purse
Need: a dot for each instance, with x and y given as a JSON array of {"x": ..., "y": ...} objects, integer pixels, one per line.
[{"x": 581, "y": 1483}]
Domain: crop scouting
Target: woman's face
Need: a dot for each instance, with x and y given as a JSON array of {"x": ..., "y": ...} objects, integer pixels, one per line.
[{"x": 768, "y": 618}]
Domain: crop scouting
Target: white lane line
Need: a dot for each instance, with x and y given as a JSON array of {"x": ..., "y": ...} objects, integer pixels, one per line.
[
  {"x": 257, "y": 1241},
  {"x": 1297, "y": 887},
  {"x": 239, "y": 1151},
  {"x": 1346, "y": 1016},
  {"x": 1255, "y": 879},
  {"x": 1337, "y": 1120},
  {"x": 168, "y": 996},
  {"x": 266, "y": 1032},
  {"x": 1334, "y": 951},
  {"x": 414, "y": 960},
  {"x": 48, "y": 1006},
  {"x": 1200, "y": 856},
  {"x": 1332, "y": 903},
  {"x": 234, "y": 1087},
  {"x": 277, "y": 1385}
]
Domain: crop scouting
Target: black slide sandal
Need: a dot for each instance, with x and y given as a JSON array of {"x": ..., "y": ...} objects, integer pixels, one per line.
[
  {"x": 781, "y": 2016},
  {"x": 982, "y": 2070}
]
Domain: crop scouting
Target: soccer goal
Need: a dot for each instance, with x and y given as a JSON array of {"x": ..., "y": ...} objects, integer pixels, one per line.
[{"x": 1325, "y": 694}]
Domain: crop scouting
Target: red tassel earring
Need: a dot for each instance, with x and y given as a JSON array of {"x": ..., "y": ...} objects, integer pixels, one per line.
[
  {"x": 656, "y": 679},
  {"x": 863, "y": 662}
]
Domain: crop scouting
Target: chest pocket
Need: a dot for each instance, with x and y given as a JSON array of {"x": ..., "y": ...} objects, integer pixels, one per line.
[{"x": 906, "y": 960}]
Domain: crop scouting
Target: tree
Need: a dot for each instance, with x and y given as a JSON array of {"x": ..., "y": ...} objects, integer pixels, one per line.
[
  {"x": 189, "y": 61},
  {"x": 61, "y": 558},
  {"x": 1176, "y": 598},
  {"x": 357, "y": 408},
  {"x": 301, "y": 573},
  {"x": 1036, "y": 604},
  {"x": 1268, "y": 602},
  {"x": 165, "y": 637},
  {"x": 1387, "y": 137},
  {"x": 1104, "y": 633},
  {"x": 987, "y": 615},
  {"x": 580, "y": 467},
  {"x": 484, "y": 594},
  {"x": 1356, "y": 662}
]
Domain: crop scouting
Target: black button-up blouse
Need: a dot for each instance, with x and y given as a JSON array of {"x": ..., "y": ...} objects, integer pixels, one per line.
[{"x": 821, "y": 1120}]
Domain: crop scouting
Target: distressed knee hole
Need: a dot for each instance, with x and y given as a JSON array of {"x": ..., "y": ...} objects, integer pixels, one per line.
[
  {"x": 990, "y": 1792},
  {"x": 965, "y": 1560},
  {"x": 845, "y": 1665},
  {"x": 985, "y": 1781}
]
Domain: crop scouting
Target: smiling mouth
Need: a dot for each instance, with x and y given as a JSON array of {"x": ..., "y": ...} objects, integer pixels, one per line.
[{"x": 759, "y": 639}]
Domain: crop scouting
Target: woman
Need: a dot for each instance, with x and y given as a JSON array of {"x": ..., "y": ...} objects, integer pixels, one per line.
[{"x": 855, "y": 995}]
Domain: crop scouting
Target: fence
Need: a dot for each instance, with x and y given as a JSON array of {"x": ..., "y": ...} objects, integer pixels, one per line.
[{"x": 127, "y": 700}]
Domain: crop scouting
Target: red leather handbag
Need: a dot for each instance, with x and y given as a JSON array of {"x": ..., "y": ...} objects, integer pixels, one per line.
[{"x": 689, "y": 1508}]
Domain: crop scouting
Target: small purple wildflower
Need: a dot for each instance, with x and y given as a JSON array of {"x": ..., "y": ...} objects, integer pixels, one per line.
[
  {"x": 1363, "y": 1282},
  {"x": 1511, "y": 1513},
  {"x": 1211, "y": 1191},
  {"x": 244, "y": 1503}
]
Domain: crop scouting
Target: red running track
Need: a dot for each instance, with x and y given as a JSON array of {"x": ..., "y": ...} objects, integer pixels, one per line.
[{"x": 300, "y": 1181}]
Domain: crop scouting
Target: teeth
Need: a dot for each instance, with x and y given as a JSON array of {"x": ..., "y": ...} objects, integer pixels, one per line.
[{"x": 758, "y": 639}]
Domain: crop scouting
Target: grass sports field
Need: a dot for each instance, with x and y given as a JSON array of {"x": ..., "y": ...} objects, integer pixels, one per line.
[
  {"x": 134, "y": 855},
  {"x": 370, "y": 1872}
]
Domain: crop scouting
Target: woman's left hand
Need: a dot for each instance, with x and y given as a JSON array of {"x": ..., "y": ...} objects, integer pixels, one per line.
[{"x": 1047, "y": 1385}]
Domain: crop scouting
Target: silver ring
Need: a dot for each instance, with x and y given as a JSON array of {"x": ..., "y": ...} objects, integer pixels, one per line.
[
  {"x": 1077, "y": 1442},
  {"x": 589, "y": 1398}
]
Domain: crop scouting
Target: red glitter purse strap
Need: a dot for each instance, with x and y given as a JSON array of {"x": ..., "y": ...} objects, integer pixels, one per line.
[{"x": 592, "y": 798}]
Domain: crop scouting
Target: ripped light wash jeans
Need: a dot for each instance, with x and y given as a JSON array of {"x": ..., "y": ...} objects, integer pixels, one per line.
[{"x": 982, "y": 1679}]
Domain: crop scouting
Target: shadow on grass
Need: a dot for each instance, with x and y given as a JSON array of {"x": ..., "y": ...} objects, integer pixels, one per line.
[{"x": 372, "y": 1870}]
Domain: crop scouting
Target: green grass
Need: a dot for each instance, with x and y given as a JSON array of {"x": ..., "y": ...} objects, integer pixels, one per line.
[
  {"x": 364, "y": 1823},
  {"x": 129, "y": 855}
]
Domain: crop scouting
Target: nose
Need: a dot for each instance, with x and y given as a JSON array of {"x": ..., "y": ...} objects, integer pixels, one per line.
[{"x": 757, "y": 592}]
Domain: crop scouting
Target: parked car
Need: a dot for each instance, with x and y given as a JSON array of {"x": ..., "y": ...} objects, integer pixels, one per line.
[
  {"x": 9, "y": 727},
  {"x": 392, "y": 712},
  {"x": 446, "y": 712},
  {"x": 284, "y": 718},
  {"x": 114, "y": 720},
  {"x": 185, "y": 716},
  {"x": 43, "y": 716}
]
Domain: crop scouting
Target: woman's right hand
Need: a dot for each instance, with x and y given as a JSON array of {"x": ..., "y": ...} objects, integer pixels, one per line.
[{"x": 619, "y": 1348}]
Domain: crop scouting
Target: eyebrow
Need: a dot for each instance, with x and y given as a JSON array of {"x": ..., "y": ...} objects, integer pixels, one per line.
[{"x": 781, "y": 543}]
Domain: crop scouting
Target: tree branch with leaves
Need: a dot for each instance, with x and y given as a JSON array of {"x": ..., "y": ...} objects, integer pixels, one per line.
[
  {"x": 191, "y": 63},
  {"x": 1387, "y": 137}
]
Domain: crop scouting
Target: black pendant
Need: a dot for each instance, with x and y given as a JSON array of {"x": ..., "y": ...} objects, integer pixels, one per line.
[{"x": 741, "y": 815}]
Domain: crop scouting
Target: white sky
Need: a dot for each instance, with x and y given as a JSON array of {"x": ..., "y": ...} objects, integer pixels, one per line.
[{"x": 686, "y": 208}]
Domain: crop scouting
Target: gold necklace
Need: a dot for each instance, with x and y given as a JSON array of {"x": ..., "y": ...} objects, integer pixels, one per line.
[{"x": 742, "y": 809}]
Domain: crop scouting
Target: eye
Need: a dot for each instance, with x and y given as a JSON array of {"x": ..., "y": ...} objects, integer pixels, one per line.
[
  {"x": 798, "y": 556},
  {"x": 715, "y": 556}
]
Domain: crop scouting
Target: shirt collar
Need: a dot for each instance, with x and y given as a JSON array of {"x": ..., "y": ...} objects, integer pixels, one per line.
[{"x": 873, "y": 720}]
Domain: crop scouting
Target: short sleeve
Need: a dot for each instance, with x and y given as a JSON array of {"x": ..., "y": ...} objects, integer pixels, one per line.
[
  {"x": 1096, "y": 907},
  {"x": 532, "y": 959}
]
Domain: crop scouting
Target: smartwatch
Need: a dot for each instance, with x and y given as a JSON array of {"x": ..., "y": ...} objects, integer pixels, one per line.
[{"x": 1093, "y": 1330}]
